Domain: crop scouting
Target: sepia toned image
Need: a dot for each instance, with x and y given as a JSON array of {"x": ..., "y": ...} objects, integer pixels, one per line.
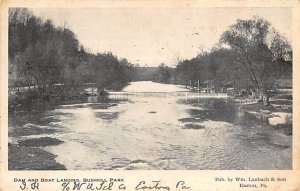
[{"x": 189, "y": 88}]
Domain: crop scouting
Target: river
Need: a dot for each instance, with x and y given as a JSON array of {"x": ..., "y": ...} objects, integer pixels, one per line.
[{"x": 154, "y": 132}]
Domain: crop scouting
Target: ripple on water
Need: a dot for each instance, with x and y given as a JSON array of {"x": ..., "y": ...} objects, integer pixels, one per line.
[{"x": 124, "y": 135}]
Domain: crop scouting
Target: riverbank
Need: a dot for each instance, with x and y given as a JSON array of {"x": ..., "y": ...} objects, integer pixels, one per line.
[
  {"x": 212, "y": 133},
  {"x": 31, "y": 134},
  {"x": 27, "y": 155},
  {"x": 278, "y": 114}
]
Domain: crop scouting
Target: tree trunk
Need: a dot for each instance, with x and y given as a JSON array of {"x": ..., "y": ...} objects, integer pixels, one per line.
[
  {"x": 264, "y": 98},
  {"x": 100, "y": 91}
]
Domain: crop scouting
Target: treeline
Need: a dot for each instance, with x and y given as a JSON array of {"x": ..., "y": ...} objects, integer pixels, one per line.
[
  {"x": 161, "y": 74},
  {"x": 251, "y": 55},
  {"x": 216, "y": 66},
  {"x": 49, "y": 60}
]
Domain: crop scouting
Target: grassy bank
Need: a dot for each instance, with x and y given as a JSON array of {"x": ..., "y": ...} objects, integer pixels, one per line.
[
  {"x": 280, "y": 104},
  {"x": 28, "y": 155}
]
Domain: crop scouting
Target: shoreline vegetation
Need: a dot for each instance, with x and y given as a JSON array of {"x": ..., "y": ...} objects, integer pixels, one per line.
[
  {"x": 48, "y": 62},
  {"x": 252, "y": 63},
  {"x": 29, "y": 153}
]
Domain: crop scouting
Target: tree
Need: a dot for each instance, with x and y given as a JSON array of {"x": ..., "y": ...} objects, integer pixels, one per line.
[
  {"x": 260, "y": 51},
  {"x": 163, "y": 74},
  {"x": 41, "y": 54},
  {"x": 41, "y": 62},
  {"x": 108, "y": 72}
]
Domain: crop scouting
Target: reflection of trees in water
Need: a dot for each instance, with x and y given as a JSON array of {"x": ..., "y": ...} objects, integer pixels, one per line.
[
  {"x": 212, "y": 109},
  {"x": 219, "y": 110},
  {"x": 218, "y": 104},
  {"x": 20, "y": 118},
  {"x": 103, "y": 102},
  {"x": 215, "y": 115},
  {"x": 107, "y": 115},
  {"x": 246, "y": 119},
  {"x": 36, "y": 111},
  {"x": 209, "y": 103},
  {"x": 226, "y": 110},
  {"x": 30, "y": 130}
]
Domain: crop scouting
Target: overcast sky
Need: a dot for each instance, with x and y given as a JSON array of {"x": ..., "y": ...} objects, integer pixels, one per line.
[{"x": 151, "y": 36}]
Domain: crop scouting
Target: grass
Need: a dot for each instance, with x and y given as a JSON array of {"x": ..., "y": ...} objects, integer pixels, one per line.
[
  {"x": 28, "y": 158},
  {"x": 40, "y": 142}
]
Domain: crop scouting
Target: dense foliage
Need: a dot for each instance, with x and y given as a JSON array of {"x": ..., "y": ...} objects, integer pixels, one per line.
[
  {"x": 251, "y": 54},
  {"x": 49, "y": 59}
]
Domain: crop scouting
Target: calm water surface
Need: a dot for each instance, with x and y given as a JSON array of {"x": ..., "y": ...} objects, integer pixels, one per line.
[{"x": 156, "y": 132}]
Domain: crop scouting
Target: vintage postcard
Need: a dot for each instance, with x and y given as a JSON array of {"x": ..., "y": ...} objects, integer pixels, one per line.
[{"x": 149, "y": 95}]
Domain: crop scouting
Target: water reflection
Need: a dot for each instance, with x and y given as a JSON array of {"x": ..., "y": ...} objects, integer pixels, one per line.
[{"x": 156, "y": 133}]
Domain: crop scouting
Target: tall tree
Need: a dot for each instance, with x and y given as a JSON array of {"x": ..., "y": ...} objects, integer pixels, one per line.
[
  {"x": 163, "y": 74},
  {"x": 260, "y": 52}
]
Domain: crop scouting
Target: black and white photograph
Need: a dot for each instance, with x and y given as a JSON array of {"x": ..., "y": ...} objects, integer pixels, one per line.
[{"x": 157, "y": 88}]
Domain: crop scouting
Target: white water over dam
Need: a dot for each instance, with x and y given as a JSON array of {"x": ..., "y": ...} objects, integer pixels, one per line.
[
  {"x": 148, "y": 86},
  {"x": 153, "y": 89},
  {"x": 155, "y": 132}
]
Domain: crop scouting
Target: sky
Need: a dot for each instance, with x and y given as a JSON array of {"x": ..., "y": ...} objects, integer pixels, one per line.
[{"x": 151, "y": 36}]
